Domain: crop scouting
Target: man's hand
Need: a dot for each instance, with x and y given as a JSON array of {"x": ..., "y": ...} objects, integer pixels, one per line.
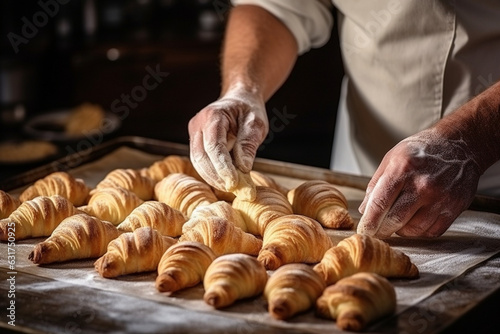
[
  {"x": 225, "y": 136},
  {"x": 420, "y": 187}
]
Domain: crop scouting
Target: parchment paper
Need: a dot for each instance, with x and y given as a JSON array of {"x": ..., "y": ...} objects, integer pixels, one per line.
[{"x": 473, "y": 238}]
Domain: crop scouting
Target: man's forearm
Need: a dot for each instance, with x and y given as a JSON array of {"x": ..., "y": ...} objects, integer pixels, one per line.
[
  {"x": 478, "y": 122},
  {"x": 259, "y": 52}
]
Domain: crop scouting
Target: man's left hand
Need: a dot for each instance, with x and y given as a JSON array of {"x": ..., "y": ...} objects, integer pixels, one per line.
[{"x": 420, "y": 187}]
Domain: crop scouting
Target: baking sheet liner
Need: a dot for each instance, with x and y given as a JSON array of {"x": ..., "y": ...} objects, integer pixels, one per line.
[{"x": 473, "y": 238}]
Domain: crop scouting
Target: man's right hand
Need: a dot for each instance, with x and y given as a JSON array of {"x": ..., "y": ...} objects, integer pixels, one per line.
[{"x": 225, "y": 136}]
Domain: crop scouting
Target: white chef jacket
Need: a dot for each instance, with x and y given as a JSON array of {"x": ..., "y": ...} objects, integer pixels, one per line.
[{"x": 407, "y": 64}]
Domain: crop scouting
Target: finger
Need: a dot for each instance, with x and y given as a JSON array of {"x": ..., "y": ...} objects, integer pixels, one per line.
[
  {"x": 216, "y": 147},
  {"x": 378, "y": 204},
  {"x": 426, "y": 222},
  {"x": 202, "y": 162},
  {"x": 418, "y": 224},
  {"x": 369, "y": 188},
  {"x": 442, "y": 223},
  {"x": 251, "y": 133},
  {"x": 401, "y": 212}
]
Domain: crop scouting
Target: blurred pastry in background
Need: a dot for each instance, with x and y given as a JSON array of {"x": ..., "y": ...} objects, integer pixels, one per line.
[
  {"x": 84, "y": 118},
  {"x": 71, "y": 124},
  {"x": 12, "y": 152}
]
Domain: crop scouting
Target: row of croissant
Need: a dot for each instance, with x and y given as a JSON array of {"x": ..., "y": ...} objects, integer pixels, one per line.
[{"x": 165, "y": 218}]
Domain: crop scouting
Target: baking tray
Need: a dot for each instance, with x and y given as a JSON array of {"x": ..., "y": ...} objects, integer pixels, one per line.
[{"x": 98, "y": 311}]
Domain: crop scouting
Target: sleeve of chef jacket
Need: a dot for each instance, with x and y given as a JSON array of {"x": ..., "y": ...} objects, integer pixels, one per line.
[{"x": 310, "y": 21}]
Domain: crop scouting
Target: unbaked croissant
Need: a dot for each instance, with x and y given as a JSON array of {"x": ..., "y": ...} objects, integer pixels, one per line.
[
  {"x": 80, "y": 236},
  {"x": 357, "y": 300},
  {"x": 184, "y": 193},
  {"x": 232, "y": 277},
  {"x": 158, "y": 215},
  {"x": 269, "y": 204},
  {"x": 364, "y": 253},
  {"x": 222, "y": 237},
  {"x": 322, "y": 201},
  {"x": 8, "y": 204},
  {"x": 58, "y": 183},
  {"x": 169, "y": 165},
  {"x": 112, "y": 204},
  {"x": 37, "y": 217},
  {"x": 291, "y": 289},
  {"x": 291, "y": 239},
  {"x": 245, "y": 188},
  {"x": 129, "y": 179},
  {"x": 219, "y": 209},
  {"x": 183, "y": 265},
  {"x": 133, "y": 252},
  {"x": 260, "y": 179}
]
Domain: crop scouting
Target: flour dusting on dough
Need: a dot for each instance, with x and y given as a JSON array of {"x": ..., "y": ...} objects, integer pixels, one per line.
[{"x": 245, "y": 189}]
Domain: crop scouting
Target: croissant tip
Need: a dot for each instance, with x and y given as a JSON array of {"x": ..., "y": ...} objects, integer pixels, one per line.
[
  {"x": 338, "y": 219},
  {"x": 414, "y": 272},
  {"x": 269, "y": 260},
  {"x": 280, "y": 309},
  {"x": 166, "y": 283},
  {"x": 212, "y": 300},
  {"x": 351, "y": 321},
  {"x": 98, "y": 263},
  {"x": 35, "y": 256},
  {"x": 101, "y": 267}
]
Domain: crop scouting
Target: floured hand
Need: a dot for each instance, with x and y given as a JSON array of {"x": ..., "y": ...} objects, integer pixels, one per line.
[
  {"x": 420, "y": 187},
  {"x": 224, "y": 138}
]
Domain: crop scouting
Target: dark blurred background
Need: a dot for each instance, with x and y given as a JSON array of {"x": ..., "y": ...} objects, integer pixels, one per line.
[{"x": 57, "y": 54}]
